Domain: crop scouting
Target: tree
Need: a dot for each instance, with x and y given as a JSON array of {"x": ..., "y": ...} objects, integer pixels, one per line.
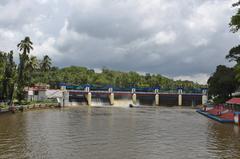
[
  {"x": 25, "y": 46},
  {"x": 234, "y": 53},
  {"x": 32, "y": 64},
  {"x": 9, "y": 78},
  {"x": 3, "y": 58},
  {"x": 31, "y": 67},
  {"x": 46, "y": 63},
  {"x": 236, "y": 4},
  {"x": 222, "y": 83}
]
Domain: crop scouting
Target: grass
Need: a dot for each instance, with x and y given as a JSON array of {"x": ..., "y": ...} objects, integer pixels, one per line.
[{"x": 48, "y": 101}]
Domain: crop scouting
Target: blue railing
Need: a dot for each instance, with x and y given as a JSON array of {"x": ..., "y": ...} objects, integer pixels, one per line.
[{"x": 128, "y": 89}]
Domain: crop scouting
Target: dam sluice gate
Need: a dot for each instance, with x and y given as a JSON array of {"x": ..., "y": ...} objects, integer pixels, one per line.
[{"x": 121, "y": 98}]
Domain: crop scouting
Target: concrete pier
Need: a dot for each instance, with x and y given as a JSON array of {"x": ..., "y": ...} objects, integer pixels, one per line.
[
  {"x": 179, "y": 97},
  {"x": 89, "y": 98},
  {"x": 134, "y": 98},
  {"x": 65, "y": 97},
  {"x": 111, "y": 98},
  {"x": 157, "y": 101}
]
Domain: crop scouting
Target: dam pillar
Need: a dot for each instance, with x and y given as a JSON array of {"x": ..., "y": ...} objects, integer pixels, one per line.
[
  {"x": 65, "y": 97},
  {"x": 134, "y": 96},
  {"x": 179, "y": 97},
  {"x": 204, "y": 96},
  {"x": 89, "y": 98},
  {"x": 157, "y": 100},
  {"x": 111, "y": 96},
  {"x": 157, "y": 103}
]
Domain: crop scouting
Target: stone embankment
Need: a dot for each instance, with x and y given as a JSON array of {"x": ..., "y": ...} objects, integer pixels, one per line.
[{"x": 21, "y": 108}]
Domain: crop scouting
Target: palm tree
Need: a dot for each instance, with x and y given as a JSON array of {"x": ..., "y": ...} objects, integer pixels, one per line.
[
  {"x": 46, "y": 63},
  {"x": 32, "y": 64},
  {"x": 25, "y": 45}
]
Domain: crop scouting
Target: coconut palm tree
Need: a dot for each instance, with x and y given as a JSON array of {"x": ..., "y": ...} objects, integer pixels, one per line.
[
  {"x": 25, "y": 45},
  {"x": 32, "y": 64},
  {"x": 46, "y": 63}
]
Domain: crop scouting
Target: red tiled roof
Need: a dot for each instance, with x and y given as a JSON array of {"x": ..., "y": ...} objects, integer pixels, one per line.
[{"x": 234, "y": 101}]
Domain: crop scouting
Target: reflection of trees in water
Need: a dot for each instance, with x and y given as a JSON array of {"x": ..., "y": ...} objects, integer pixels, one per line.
[{"x": 223, "y": 140}]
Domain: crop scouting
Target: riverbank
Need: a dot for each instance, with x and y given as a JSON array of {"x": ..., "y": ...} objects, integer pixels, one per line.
[
  {"x": 21, "y": 108},
  {"x": 39, "y": 106}
]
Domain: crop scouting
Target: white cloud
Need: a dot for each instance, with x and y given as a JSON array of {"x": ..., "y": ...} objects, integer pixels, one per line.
[
  {"x": 171, "y": 37},
  {"x": 165, "y": 37},
  {"x": 199, "y": 78}
]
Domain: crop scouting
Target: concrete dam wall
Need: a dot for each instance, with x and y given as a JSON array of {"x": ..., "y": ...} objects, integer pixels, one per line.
[{"x": 124, "y": 99}]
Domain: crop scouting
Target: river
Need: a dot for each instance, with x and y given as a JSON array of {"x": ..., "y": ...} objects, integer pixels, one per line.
[{"x": 116, "y": 133}]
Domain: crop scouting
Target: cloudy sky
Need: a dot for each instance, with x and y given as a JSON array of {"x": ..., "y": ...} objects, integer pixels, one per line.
[{"x": 182, "y": 39}]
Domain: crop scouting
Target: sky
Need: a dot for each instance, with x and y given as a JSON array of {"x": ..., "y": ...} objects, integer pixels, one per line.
[{"x": 181, "y": 39}]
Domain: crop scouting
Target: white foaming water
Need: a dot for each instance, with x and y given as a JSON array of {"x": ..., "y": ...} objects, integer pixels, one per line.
[
  {"x": 122, "y": 103},
  {"x": 99, "y": 102}
]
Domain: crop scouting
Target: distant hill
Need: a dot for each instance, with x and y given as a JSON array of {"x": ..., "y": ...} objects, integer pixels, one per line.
[{"x": 75, "y": 75}]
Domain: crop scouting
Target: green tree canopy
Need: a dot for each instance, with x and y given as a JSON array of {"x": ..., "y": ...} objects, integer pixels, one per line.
[
  {"x": 222, "y": 83},
  {"x": 25, "y": 45},
  {"x": 46, "y": 63},
  {"x": 234, "y": 54}
]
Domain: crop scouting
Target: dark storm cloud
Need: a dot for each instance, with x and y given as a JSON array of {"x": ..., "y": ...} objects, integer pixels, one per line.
[{"x": 175, "y": 38}]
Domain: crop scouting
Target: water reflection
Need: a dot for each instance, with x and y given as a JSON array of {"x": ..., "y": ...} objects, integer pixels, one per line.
[
  {"x": 12, "y": 136},
  {"x": 116, "y": 133},
  {"x": 223, "y": 140}
]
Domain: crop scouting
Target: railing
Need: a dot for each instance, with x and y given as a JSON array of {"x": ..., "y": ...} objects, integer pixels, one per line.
[{"x": 137, "y": 89}]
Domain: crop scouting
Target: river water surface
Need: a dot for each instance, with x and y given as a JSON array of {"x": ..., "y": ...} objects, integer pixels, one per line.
[{"x": 116, "y": 133}]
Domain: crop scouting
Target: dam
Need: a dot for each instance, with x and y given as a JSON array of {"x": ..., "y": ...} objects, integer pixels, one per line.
[{"x": 111, "y": 97}]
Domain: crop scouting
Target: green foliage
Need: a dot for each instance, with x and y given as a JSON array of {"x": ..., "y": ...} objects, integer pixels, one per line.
[
  {"x": 80, "y": 75},
  {"x": 235, "y": 19},
  {"x": 25, "y": 45},
  {"x": 236, "y": 4},
  {"x": 47, "y": 101},
  {"x": 46, "y": 63},
  {"x": 234, "y": 53},
  {"x": 9, "y": 78},
  {"x": 3, "y": 106},
  {"x": 222, "y": 83}
]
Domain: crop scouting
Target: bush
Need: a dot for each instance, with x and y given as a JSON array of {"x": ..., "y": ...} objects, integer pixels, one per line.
[{"x": 3, "y": 106}]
